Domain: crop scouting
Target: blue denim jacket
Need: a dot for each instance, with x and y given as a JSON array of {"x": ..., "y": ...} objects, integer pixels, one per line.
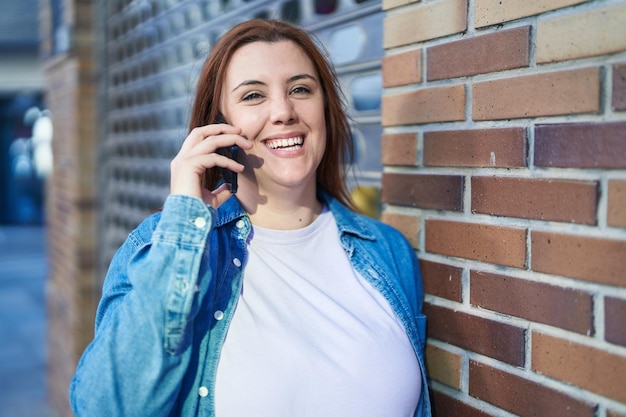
[{"x": 170, "y": 294}]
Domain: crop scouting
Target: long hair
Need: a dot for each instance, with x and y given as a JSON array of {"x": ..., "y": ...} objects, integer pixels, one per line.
[{"x": 333, "y": 168}]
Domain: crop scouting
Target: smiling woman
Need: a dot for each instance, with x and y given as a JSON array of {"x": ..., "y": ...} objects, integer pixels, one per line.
[
  {"x": 279, "y": 299},
  {"x": 212, "y": 79},
  {"x": 280, "y": 109}
]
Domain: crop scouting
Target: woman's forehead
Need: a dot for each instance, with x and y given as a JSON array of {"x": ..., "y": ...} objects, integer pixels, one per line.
[{"x": 265, "y": 59}]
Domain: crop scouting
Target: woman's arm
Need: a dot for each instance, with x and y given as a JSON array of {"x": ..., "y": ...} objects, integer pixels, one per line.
[{"x": 141, "y": 349}]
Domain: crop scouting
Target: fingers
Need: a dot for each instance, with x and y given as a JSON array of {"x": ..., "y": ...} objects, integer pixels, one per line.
[
  {"x": 198, "y": 153},
  {"x": 199, "y": 134}
]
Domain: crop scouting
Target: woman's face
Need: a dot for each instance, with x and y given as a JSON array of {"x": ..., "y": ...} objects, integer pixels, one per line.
[{"x": 273, "y": 93}]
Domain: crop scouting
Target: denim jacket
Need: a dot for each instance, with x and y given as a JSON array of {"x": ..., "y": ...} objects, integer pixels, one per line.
[{"x": 170, "y": 294}]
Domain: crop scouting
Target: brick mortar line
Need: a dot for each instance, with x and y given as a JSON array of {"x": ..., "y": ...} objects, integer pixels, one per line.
[
  {"x": 521, "y": 122},
  {"x": 607, "y": 93},
  {"x": 469, "y": 101},
  {"x": 532, "y": 39},
  {"x": 530, "y": 146},
  {"x": 528, "y": 275},
  {"x": 602, "y": 206},
  {"x": 529, "y": 251},
  {"x": 471, "y": 9},
  {"x": 465, "y": 287},
  {"x": 528, "y": 350},
  {"x": 539, "y": 173},
  {"x": 598, "y": 315}
]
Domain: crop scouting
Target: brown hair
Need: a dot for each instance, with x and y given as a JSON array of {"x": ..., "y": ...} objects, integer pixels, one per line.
[{"x": 333, "y": 167}]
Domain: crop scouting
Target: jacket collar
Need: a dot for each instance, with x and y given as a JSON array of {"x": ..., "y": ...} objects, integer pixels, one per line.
[
  {"x": 348, "y": 222},
  {"x": 229, "y": 210}
]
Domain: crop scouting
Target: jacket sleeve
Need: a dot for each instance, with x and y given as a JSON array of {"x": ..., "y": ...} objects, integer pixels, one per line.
[{"x": 141, "y": 349}]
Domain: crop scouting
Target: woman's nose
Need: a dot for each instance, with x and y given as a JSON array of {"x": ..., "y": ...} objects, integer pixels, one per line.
[{"x": 283, "y": 111}]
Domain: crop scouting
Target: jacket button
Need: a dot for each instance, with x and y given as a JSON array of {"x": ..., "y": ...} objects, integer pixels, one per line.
[
  {"x": 199, "y": 222},
  {"x": 237, "y": 262},
  {"x": 240, "y": 224},
  {"x": 219, "y": 314},
  {"x": 203, "y": 391}
]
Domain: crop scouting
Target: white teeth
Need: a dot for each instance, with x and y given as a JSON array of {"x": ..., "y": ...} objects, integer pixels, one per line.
[{"x": 285, "y": 143}]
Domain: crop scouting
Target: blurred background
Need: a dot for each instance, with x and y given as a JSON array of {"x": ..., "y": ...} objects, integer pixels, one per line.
[{"x": 25, "y": 164}]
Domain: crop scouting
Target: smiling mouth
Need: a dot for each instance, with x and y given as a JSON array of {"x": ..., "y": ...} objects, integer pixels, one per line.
[{"x": 286, "y": 144}]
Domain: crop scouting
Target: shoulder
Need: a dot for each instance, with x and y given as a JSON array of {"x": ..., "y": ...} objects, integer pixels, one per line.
[
  {"x": 367, "y": 228},
  {"x": 142, "y": 234},
  {"x": 385, "y": 233}
]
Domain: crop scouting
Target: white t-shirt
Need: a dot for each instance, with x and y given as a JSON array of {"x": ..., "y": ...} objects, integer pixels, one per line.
[{"x": 311, "y": 337}]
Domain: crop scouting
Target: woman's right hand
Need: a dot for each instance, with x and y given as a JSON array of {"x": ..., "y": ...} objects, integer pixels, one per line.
[{"x": 197, "y": 154}]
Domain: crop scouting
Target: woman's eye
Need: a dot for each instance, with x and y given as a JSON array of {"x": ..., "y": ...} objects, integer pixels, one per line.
[
  {"x": 301, "y": 90},
  {"x": 251, "y": 96}
]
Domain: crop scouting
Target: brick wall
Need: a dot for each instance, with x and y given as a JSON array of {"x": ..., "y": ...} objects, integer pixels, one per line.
[
  {"x": 72, "y": 286},
  {"x": 505, "y": 165}
]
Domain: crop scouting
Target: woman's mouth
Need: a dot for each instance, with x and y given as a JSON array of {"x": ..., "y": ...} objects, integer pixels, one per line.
[{"x": 287, "y": 144}]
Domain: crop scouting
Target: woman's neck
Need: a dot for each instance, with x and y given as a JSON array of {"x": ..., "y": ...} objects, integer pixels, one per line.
[{"x": 285, "y": 210}]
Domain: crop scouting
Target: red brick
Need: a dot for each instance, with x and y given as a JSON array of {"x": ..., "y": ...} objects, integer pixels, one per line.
[
  {"x": 446, "y": 406},
  {"x": 618, "y": 99},
  {"x": 497, "y": 51},
  {"x": 443, "y": 366},
  {"x": 614, "y": 323},
  {"x": 491, "y": 12},
  {"x": 504, "y": 147},
  {"x": 426, "y": 21},
  {"x": 443, "y": 192},
  {"x": 399, "y": 149},
  {"x": 546, "y": 94},
  {"x": 586, "y": 258},
  {"x": 572, "y": 36},
  {"x": 616, "y": 210},
  {"x": 541, "y": 199},
  {"x": 586, "y": 367},
  {"x": 403, "y": 68},
  {"x": 442, "y": 280},
  {"x": 487, "y": 243},
  {"x": 488, "y": 337},
  {"x": 408, "y": 225},
  {"x": 435, "y": 104},
  {"x": 522, "y": 396},
  {"x": 566, "y": 308},
  {"x": 581, "y": 145}
]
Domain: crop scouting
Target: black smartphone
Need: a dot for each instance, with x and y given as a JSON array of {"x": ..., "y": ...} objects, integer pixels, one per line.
[{"x": 231, "y": 152}]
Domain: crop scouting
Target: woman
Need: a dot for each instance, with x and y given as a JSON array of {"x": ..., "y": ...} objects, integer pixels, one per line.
[{"x": 277, "y": 300}]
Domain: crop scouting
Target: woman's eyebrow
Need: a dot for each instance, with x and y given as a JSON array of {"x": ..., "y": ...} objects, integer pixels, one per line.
[
  {"x": 291, "y": 79},
  {"x": 248, "y": 82},
  {"x": 299, "y": 77}
]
